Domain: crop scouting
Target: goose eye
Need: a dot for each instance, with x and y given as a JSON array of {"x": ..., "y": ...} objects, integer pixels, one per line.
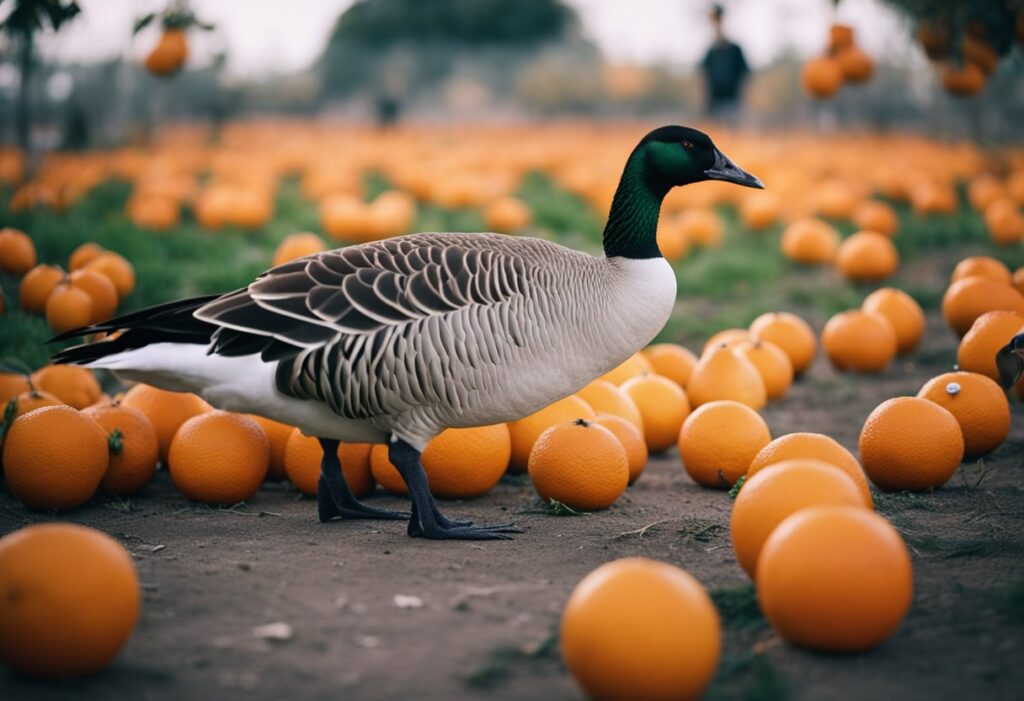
[{"x": 687, "y": 144}]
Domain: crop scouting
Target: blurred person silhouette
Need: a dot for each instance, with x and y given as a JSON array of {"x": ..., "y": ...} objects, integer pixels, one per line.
[{"x": 725, "y": 69}]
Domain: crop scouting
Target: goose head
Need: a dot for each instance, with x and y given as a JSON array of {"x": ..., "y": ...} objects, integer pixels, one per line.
[{"x": 677, "y": 156}]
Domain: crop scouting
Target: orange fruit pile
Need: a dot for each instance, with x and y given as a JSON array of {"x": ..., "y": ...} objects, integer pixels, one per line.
[{"x": 580, "y": 464}]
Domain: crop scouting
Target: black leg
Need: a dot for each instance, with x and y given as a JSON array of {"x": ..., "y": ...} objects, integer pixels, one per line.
[
  {"x": 333, "y": 496},
  {"x": 427, "y": 521}
]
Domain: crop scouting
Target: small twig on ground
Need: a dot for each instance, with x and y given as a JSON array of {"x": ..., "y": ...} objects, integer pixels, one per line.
[{"x": 640, "y": 532}]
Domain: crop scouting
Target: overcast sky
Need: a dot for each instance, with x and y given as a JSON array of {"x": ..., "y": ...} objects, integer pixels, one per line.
[{"x": 270, "y": 36}]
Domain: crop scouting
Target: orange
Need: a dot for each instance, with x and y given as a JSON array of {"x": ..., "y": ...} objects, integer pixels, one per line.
[
  {"x": 856, "y": 65},
  {"x": 902, "y": 312},
  {"x": 723, "y": 374},
  {"x": 1004, "y": 221},
  {"x": 663, "y": 406},
  {"x": 703, "y": 227},
  {"x": 11, "y": 385},
  {"x": 671, "y": 361},
  {"x": 866, "y": 256},
  {"x": 54, "y": 458},
  {"x": 873, "y": 215},
  {"x": 728, "y": 337},
  {"x": 525, "y": 432},
  {"x": 840, "y": 36},
  {"x": 37, "y": 285},
  {"x": 166, "y": 410},
  {"x": 982, "y": 266},
  {"x": 859, "y": 341},
  {"x": 812, "y": 446},
  {"x": 101, "y": 291},
  {"x": 979, "y": 406},
  {"x": 277, "y": 434},
  {"x": 777, "y": 491},
  {"x": 303, "y": 455},
  {"x": 115, "y": 267},
  {"x": 963, "y": 82},
  {"x": 82, "y": 255},
  {"x": 810, "y": 241},
  {"x": 169, "y": 55},
  {"x": 507, "y": 214},
  {"x": 34, "y": 399},
  {"x": 835, "y": 578},
  {"x": 631, "y": 438},
  {"x": 298, "y": 246},
  {"x": 771, "y": 363},
  {"x": 69, "y": 599},
  {"x": 671, "y": 239},
  {"x": 760, "y": 209},
  {"x": 68, "y": 308},
  {"x": 461, "y": 463},
  {"x": 719, "y": 440},
  {"x": 910, "y": 443},
  {"x": 821, "y": 77},
  {"x": 983, "y": 190},
  {"x": 988, "y": 334},
  {"x": 131, "y": 440},
  {"x": 641, "y": 629},
  {"x": 219, "y": 458},
  {"x": 17, "y": 252},
  {"x": 1018, "y": 279},
  {"x": 72, "y": 385},
  {"x": 790, "y": 333},
  {"x": 970, "y": 297},
  {"x": 603, "y": 396},
  {"x": 634, "y": 365},
  {"x": 580, "y": 464}
]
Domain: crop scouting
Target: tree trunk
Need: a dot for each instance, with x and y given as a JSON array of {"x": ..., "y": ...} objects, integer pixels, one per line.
[{"x": 23, "y": 122}]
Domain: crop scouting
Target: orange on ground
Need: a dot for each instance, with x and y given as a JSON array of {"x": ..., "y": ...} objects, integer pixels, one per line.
[
  {"x": 1018, "y": 279},
  {"x": 525, "y": 432},
  {"x": 72, "y": 385},
  {"x": 632, "y": 440},
  {"x": 760, "y": 209},
  {"x": 17, "y": 252},
  {"x": 634, "y": 365},
  {"x": 37, "y": 285},
  {"x": 790, "y": 333},
  {"x": 982, "y": 266},
  {"x": 977, "y": 403},
  {"x": 507, "y": 214},
  {"x": 68, "y": 308},
  {"x": 702, "y": 227},
  {"x": 771, "y": 362},
  {"x": 810, "y": 241},
  {"x": 580, "y": 464},
  {"x": 303, "y": 455},
  {"x": 219, "y": 458},
  {"x": 69, "y": 599},
  {"x": 34, "y": 399},
  {"x": 82, "y": 255},
  {"x": 988, "y": 334},
  {"x": 910, "y": 443},
  {"x": 1005, "y": 222},
  {"x": 54, "y": 458},
  {"x": 970, "y": 297},
  {"x": 640, "y": 629},
  {"x": 672, "y": 361},
  {"x": 873, "y": 215},
  {"x": 777, "y": 491},
  {"x": 117, "y": 268},
  {"x": 277, "y": 434},
  {"x": 663, "y": 406},
  {"x": 866, "y": 256},
  {"x": 133, "y": 450},
  {"x": 722, "y": 374},
  {"x": 166, "y": 410},
  {"x": 603, "y": 396},
  {"x": 835, "y": 578},
  {"x": 812, "y": 446},
  {"x": 101, "y": 291},
  {"x": 11, "y": 385},
  {"x": 729, "y": 337},
  {"x": 859, "y": 341},
  {"x": 719, "y": 440},
  {"x": 461, "y": 463},
  {"x": 902, "y": 312},
  {"x": 298, "y": 246}
]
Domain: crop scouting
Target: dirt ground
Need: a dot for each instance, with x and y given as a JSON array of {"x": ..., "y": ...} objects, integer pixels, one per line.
[{"x": 488, "y": 613}]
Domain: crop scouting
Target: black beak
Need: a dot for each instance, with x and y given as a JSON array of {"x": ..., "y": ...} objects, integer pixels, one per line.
[
  {"x": 1009, "y": 362},
  {"x": 726, "y": 170}
]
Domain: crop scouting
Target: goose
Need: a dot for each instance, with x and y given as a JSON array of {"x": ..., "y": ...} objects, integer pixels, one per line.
[
  {"x": 396, "y": 340},
  {"x": 1010, "y": 361}
]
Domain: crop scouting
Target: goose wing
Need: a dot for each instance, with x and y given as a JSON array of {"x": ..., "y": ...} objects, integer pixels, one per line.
[{"x": 359, "y": 291}]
